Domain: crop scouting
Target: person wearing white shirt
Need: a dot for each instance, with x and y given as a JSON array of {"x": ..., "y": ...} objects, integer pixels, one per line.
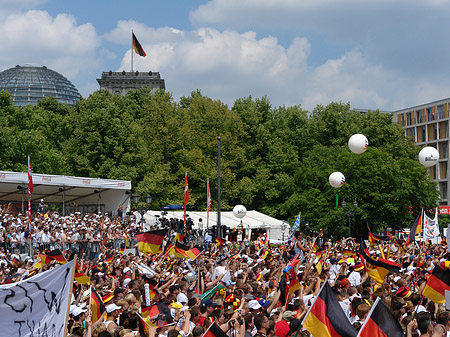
[{"x": 355, "y": 278}]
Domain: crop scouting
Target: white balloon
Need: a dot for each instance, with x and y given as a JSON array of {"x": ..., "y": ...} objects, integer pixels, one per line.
[
  {"x": 358, "y": 143},
  {"x": 336, "y": 179},
  {"x": 239, "y": 211},
  {"x": 428, "y": 156}
]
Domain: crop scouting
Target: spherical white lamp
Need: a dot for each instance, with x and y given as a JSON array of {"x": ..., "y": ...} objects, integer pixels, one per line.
[
  {"x": 428, "y": 156},
  {"x": 239, "y": 211},
  {"x": 358, "y": 143},
  {"x": 336, "y": 179}
]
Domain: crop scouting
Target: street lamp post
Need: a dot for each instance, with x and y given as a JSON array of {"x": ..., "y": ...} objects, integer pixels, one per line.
[
  {"x": 219, "y": 225},
  {"x": 349, "y": 213}
]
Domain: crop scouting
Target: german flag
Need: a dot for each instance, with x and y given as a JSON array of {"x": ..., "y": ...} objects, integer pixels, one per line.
[
  {"x": 122, "y": 248},
  {"x": 322, "y": 251},
  {"x": 378, "y": 274},
  {"x": 379, "y": 263},
  {"x": 293, "y": 284},
  {"x": 15, "y": 262},
  {"x": 416, "y": 228},
  {"x": 214, "y": 331},
  {"x": 150, "y": 242},
  {"x": 348, "y": 252},
  {"x": 437, "y": 283},
  {"x": 158, "y": 311},
  {"x": 219, "y": 242},
  {"x": 109, "y": 258},
  {"x": 193, "y": 253},
  {"x": 375, "y": 238},
  {"x": 56, "y": 255},
  {"x": 137, "y": 47},
  {"x": 11, "y": 279},
  {"x": 326, "y": 318},
  {"x": 179, "y": 237},
  {"x": 319, "y": 266},
  {"x": 97, "y": 307},
  {"x": 179, "y": 250},
  {"x": 380, "y": 322},
  {"x": 80, "y": 277}
]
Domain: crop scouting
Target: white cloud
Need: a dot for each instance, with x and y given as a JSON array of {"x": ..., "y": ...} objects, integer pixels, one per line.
[
  {"x": 227, "y": 65},
  {"x": 58, "y": 43}
]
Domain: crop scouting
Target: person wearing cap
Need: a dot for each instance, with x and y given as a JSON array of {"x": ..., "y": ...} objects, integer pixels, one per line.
[
  {"x": 355, "y": 277},
  {"x": 282, "y": 326},
  {"x": 254, "y": 307},
  {"x": 112, "y": 313},
  {"x": 206, "y": 309}
]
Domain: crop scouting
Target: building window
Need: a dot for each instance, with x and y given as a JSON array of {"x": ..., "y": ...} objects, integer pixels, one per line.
[
  {"x": 444, "y": 150},
  {"x": 430, "y": 116},
  {"x": 440, "y": 111},
  {"x": 424, "y": 134},
  {"x": 443, "y": 170},
  {"x": 435, "y": 129},
  {"x": 413, "y": 132},
  {"x": 443, "y": 189},
  {"x": 419, "y": 116},
  {"x": 408, "y": 118},
  {"x": 403, "y": 119}
]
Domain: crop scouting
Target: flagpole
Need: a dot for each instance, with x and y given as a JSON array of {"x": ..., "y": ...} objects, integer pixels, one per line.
[
  {"x": 208, "y": 200},
  {"x": 370, "y": 313},
  {"x": 185, "y": 190},
  {"x": 131, "y": 50},
  {"x": 70, "y": 294}
]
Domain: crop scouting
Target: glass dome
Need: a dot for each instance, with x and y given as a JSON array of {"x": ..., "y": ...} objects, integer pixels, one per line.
[{"x": 27, "y": 84}]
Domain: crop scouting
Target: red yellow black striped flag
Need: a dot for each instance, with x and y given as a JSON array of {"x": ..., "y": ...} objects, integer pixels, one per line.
[
  {"x": 378, "y": 262},
  {"x": 179, "y": 250},
  {"x": 80, "y": 277},
  {"x": 137, "y": 47},
  {"x": 56, "y": 255},
  {"x": 415, "y": 229},
  {"x": 150, "y": 242},
  {"x": 374, "y": 238},
  {"x": 214, "y": 331},
  {"x": 97, "y": 307},
  {"x": 380, "y": 322},
  {"x": 437, "y": 283},
  {"x": 326, "y": 318}
]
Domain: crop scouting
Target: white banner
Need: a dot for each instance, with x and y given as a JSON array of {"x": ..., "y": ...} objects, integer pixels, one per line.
[
  {"x": 36, "y": 306},
  {"x": 430, "y": 227}
]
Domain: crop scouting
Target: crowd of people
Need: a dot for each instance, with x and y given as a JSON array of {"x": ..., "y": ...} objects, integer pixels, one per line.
[{"x": 239, "y": 287}]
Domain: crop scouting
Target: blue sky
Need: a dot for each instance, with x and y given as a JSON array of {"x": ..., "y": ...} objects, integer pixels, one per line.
[{"x": 373, "y": 54}]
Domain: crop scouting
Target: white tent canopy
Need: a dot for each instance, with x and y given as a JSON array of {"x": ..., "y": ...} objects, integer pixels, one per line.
[
  {"x": 252, "y": 220},
  {"x": 75, "y": 193}
]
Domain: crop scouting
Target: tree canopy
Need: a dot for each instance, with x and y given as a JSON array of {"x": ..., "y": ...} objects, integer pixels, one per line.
[{"x": 273, "y": 159}]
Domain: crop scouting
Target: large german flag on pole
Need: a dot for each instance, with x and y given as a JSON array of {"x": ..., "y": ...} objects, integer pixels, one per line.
[
  {"x": 326, "y": 318},
  {"x": 150, "y": 242},
  {"x": 415, "y": 229},
  {"x": 380, "y": 322},
  {"x": 437, "y": 283},
  {"x": 137, "y": 47}
]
